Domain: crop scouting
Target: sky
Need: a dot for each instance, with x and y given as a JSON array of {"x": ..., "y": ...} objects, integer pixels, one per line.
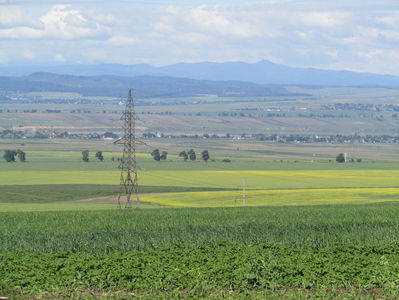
[{"x": 360, "y": 35}]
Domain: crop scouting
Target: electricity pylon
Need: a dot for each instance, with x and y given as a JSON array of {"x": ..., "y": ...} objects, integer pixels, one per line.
[{"x": 128, "y": 165}]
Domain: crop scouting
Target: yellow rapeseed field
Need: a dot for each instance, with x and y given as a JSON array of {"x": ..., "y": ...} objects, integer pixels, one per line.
[
  {"x": 277, "y": 197},
  {"x": 271, "y": 187}
]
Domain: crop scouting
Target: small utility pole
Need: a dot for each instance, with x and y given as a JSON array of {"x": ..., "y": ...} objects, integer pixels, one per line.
[{"x": 243, "y": 190}]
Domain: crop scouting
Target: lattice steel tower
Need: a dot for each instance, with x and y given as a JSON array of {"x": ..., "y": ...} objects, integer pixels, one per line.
[{"x": 128, "y": 165}]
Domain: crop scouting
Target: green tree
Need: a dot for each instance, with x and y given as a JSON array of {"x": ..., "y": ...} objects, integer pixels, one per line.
[
  {"x": 99, "y": 155},
  {"x": 184, "y": 155},
  {"x": 156, "y": 155},
  {"x": 21, "y": 155},
  {"x": 191, "y": 154},
  {"x": 9, "y": 155},
  {"x": 205, "y": 155},
  {"x": 85, "y": 155},
  {"x": 164, "y": 155},
  {"x": 340, "y": 158}
]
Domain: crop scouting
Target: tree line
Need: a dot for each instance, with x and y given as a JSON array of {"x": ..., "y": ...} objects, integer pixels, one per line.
[
  {"x": 190, "y": 154},
  {"x": 98, "y": 155},
  {"x": 9, "y": 155}
]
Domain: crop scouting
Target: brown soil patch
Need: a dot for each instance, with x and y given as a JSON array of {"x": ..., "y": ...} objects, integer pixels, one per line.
[{"x": 108, "y": 199}]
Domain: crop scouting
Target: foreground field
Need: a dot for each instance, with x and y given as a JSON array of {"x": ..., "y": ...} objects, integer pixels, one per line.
[
  {"x": 180, "y": 272},
  {"x": 193, "y": 253},
  {"x": 61, "y": 234},
  {"x": 108, "y": 231}
]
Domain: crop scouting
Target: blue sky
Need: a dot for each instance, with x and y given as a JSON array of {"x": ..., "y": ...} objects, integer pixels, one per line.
[{"x": 352, "y": 35}]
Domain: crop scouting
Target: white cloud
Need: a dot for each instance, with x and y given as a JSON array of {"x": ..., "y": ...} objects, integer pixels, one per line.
[
  {"x": 207, "y": 17},
  {"x": 389, "y": 20},
  {"x": 3, "y": 57},
  {"x": 333, "y": 54},
  {"x": 10, "y": 15},
  {"x": 241, "y": 23},
  {"x": 391, "y": 35},
  {"x": 320, "y": 19},
  {"x": 59, "y": 57},
  {"x": 359, "y": 34},
  {"x": 29, "y": 54},
  {"x": 121, "y": 41},
  {"x": 22, "y": 32},
  {"x": 193, "y": 38},
  {"x": 370, "y": 55},
  {"x": 61, "y": 22}
]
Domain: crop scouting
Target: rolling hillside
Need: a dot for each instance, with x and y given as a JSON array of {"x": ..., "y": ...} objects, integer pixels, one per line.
[
  {"x": 263, "y": 72},
  {"x": 144, "y": 86}
]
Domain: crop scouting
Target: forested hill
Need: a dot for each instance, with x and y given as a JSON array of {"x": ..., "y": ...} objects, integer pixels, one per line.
[
  {"x": 262, "y": 72},
  {"x": 144, "y": 86}
]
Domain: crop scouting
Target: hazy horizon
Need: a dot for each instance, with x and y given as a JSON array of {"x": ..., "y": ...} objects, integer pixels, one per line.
[{"x": 357, "y": 36}]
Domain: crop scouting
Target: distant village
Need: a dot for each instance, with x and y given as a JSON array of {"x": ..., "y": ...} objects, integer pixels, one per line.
[{"x": 276, "y": 138}]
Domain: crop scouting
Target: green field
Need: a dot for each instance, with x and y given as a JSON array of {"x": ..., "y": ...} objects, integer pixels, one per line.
[
  {"x": 142, "y": 229},
  {"x": 61, "y": 176},
  {"x": 310, "y": 228},
  {"x": 306, "y": 252}
]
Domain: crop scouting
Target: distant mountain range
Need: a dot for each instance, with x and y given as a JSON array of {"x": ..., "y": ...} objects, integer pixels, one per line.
[
  {"x": 263, "y": 72},
  {"x": 144, "y": 86}
]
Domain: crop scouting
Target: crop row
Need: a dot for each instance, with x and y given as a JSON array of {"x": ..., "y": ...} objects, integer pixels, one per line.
[
  {"x": 199, "y": 271},
  {"x": 140, "y": 229}
]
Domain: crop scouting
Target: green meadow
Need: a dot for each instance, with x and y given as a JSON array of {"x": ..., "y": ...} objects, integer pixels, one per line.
[
  {"x": 61, "y": 176},
  {"x": 338, "y": 251},
  {"x": 309, "y": 228}
]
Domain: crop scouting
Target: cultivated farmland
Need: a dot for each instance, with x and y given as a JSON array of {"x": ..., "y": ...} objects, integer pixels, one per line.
[
  {"x": 309, "y": 228},
  {"x": 213, "y": 253}
]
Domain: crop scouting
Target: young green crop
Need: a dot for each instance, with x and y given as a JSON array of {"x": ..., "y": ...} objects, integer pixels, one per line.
[
  {"x": 200, "y": 271},
  {"x": 202, "y": 253},
  {"x": 139, "y": 229}
]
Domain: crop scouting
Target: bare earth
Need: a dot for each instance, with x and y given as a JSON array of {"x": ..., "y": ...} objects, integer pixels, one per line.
[{"x": 108, "y": 199}]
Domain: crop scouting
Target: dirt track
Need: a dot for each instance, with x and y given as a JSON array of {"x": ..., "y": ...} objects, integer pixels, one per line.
[{"x": 108, "y": 199}]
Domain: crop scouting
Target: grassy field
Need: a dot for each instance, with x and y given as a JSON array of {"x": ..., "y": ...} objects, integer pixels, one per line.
[
  {"x": 61, "y": 176},
  {"x": 70, "y": 192},
  {"x": 310, "y": 229},
  {"x": 105, "y": 231},
  {"x": 203, "y": 253},
  {"x": 216, "y": 179}
]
